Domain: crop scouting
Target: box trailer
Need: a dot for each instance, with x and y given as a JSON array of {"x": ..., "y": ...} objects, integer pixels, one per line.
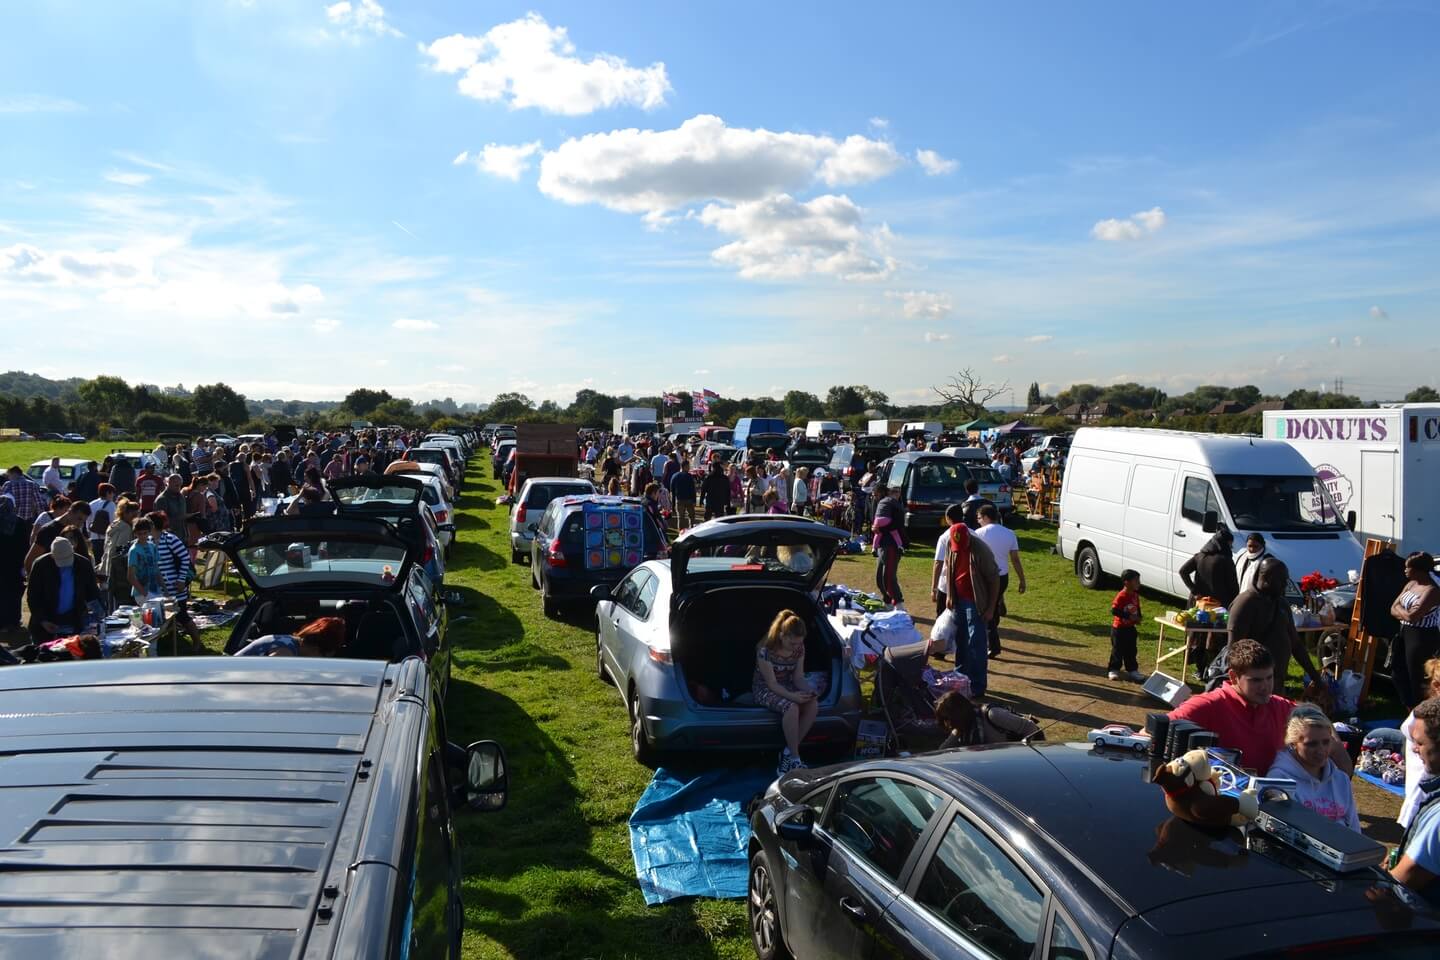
[
  {"x": 1381, "y": 464},
  {"x": 884, "y": 428}
]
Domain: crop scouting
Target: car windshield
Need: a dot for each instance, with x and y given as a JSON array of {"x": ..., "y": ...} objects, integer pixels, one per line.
[
  {"x": 841, "y": 456},
  {"x": 330, "y": 560},
  {"x": 983, "y": 475},
  {"x": 1280, "y": 504},
  {"x": 931, "y": 475},
  {"x": 741, "y": 560}
]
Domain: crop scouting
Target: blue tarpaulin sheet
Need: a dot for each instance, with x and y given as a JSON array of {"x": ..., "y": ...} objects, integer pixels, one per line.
[
  {"x": 1399, "y": 791},
  {"x": 688, "y": 833}
]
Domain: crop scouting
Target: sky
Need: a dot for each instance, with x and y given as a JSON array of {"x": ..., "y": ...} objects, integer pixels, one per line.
[{"x": 461, "y": 198}]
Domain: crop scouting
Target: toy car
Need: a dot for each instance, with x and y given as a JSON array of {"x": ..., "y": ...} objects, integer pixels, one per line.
[{"x": 1119, "y": 735}]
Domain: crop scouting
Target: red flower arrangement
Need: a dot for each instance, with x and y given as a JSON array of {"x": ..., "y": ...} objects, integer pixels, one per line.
[{"x": 1317, "y": 582}]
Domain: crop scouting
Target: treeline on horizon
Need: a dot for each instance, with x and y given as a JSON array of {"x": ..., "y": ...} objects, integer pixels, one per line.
[{"x": 38, "y": 405}]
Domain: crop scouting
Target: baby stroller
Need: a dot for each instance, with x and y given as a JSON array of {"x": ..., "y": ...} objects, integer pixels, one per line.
[{"x": 904, "y": 699}]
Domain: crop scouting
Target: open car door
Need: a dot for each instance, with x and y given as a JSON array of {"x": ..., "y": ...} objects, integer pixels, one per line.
[
  {"x": 347, "y": 552},
  {"x": 755, "y": 548}
]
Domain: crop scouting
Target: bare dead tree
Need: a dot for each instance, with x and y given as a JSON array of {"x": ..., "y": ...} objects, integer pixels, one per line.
[{"x": 969, "y": 392}]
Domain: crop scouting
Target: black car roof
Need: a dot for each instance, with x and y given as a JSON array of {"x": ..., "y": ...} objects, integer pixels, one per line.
[
  {"x": 1100, "y": 814},
  {"x": 176, "y": 807}
]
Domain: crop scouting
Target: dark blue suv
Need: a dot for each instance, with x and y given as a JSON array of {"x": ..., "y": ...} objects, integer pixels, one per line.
[{"x": 589, "y": 540}]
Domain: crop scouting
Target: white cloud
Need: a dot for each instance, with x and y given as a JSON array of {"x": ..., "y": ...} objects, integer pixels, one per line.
[
  {"x": 1039, "y": 338},
  {"x": 324, "y": 325},
  {"x": 701, "y": 373},
  {"x": 1334, "y": 341},
  {"x": 413, "y": 325},
  {"x": 361, "y": 17},
  {"x": 1137, "y": 226},
  {"x": 934, "y": 164},
  {"x": 922, "y": 304},
  {"x": 654, "y": 171},
  {"x": 783, "y": 238},
  {"x": 452, "y": 368},
  {"x": 37, "y": 103},
  {"x": 931, "y": 337},
  {"x": 127, "y": 178},
  {"x": 1359, "y": 342},
  {"x": 1002, "y": 358},
  {"x": 879, "y": 123},
  {"x": 1280, "y": 360},
  {"x": 1378, "y": 314},
  {"x": 462, "y": 157},
  {"x": 528, "y": 63},
  {"x": 501, "y": 160}
]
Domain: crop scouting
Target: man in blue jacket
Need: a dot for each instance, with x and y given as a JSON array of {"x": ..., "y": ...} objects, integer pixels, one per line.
[{"x": 682, "y": 492}]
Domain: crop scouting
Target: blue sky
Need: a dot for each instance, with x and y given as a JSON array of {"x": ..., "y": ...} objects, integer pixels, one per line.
[{"x": 463, "y": 198}]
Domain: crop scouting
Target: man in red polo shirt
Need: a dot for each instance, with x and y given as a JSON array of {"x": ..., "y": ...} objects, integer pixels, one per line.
[{"x": 1245, "y": 713}]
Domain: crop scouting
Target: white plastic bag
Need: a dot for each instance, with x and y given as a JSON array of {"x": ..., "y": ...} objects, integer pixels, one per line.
[
  {"x": 1347, "y": 694},
  {"x": 944, "y": 629}
]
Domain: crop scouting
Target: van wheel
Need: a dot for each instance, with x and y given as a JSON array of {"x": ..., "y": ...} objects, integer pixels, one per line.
[
  {"x": 640, "y": 745},
  {"x": 1087, "y": 568}
]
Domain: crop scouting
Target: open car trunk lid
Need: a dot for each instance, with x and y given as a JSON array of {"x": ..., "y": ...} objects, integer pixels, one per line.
[
  {"x": 273, "y": 552},
  {"x": 753, "y": 548}
]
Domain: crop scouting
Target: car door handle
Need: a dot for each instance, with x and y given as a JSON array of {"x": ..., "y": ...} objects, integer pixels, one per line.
[
  {"x": 855, "y": 910},
  {"x": 1179, "y": 533}
]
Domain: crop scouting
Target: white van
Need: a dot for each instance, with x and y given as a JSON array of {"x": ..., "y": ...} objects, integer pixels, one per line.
[
  {"x": 826, "y": 430},
  {"x": 931, "y": 429},
  {"x": 1382, "y": 465},
  {"x": 1143, "y": 499}
]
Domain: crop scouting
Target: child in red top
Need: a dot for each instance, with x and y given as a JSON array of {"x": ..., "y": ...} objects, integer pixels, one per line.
[{"x": 1125, "y": 610}]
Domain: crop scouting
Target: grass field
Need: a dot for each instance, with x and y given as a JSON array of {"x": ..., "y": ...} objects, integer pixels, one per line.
[{"x": 552, "y": 875}]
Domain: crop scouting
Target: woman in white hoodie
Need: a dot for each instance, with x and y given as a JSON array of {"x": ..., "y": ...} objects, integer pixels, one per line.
[{"x": 1320, "y": 785}]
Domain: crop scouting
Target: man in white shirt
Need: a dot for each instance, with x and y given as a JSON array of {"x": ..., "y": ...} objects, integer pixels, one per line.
[
  {"x": 50, "y": 479},
  {"x": 1247, "y": 561},
  {"x": 1006, "y": 546}
]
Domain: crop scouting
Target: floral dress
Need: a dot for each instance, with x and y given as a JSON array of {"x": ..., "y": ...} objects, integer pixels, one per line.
[{"x": 784, "y": 669}]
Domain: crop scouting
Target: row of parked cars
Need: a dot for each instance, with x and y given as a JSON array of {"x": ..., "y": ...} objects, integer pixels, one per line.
[{"x": 259, "y": 807}]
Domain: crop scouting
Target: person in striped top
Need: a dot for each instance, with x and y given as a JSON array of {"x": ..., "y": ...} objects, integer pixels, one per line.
[{"x": 176, "y": 571}]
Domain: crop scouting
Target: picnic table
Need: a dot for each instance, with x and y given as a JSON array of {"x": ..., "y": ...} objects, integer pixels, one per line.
[{"x": 1205, "y": 632}]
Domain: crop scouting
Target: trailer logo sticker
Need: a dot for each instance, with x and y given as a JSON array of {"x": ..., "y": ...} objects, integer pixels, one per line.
[
  {"x": 1331, "y": 428},
  {"x": 1339, "y": 487}
]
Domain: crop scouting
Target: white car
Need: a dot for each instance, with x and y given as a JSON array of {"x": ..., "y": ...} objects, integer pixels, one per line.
[
  {"x": 1121, "y": 736},
  {"x": 434, "y": 496},
  {"x": 438, "y": 472},
  {"x": 70, "y": 469},
  {"x": 530, "y": 506}
]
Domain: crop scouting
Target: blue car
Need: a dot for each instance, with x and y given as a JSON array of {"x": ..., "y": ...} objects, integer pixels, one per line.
[
  {"x": 565, "y": 570},
  {"x": 678, "y": 635}
]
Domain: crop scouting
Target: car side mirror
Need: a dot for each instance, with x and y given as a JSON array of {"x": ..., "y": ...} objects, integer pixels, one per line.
[
  {"x": 798, "y": 828},
  {"x": 1350, "y": 521},
  {"x": 486, "y": 779},
  {"x": 600, "y": 593},
  {"x": 1211, "y": 523}
]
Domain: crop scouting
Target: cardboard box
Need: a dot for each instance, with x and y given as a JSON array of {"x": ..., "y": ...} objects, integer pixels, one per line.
[{"x": 871, "y": 739}]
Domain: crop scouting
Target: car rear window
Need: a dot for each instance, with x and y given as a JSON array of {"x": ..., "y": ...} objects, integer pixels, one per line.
[
  {"x": 940, "y": 475},
  {"x": 541, "y": 494}
]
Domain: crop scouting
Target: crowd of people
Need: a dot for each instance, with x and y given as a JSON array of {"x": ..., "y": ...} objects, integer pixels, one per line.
[{"x": 113, "y": 536}]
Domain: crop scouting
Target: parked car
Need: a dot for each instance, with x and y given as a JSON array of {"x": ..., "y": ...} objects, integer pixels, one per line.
[
  {"x": 930, "y": 482},
  {"x": 716, "y": 434},
  {"x": 980, "y": 853},
  {"x": 710, "y": 451},
  {"x": 400, "y": 500},
  {"x": 438, "y": 457},
  {"x": 561, "y": 565},
  {"x": 875, "y": 447},
  {"x": 318, "y": 815},
  {"x": 73, "y": 437},
  {"x": 358, "y": 568},
  {"x": 502, "y": 453},
  {"x": 808, "y": 453},
  {"x": 70, "y": 469},
  {"x": 137, "y": 458},
  {"x": 421, "y": 468},
  {"x": 530, "y": 504},
  {"x": 677, "y": 636}
]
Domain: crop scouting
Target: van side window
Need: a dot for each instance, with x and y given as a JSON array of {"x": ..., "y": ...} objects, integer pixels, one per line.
[
  {"x": 1199, "y": 499},
  {"x": 898, "y": 471}
]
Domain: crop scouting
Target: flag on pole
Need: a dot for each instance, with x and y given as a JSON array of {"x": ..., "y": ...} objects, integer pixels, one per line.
[{"x": 710, "y": 395}]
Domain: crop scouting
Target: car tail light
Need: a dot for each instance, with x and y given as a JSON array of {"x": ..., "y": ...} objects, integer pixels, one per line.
[
  {"x": 554, "y": 556},
  {"x": 659, "y": 656},
  {"x": 915, "y": 505},
  {"x": 1004, "y": 488},
  {"x": 441, "y": 516},
  {"x": 520, "y": 513},
  {"x": 429, "y": 554}
]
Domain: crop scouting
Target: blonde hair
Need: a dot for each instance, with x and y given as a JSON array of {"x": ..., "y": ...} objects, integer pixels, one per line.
[
  {"x": 1432, "y": 670},
  {"x": 1306, "y": 715},
  {"x": 787, "y": 623}
]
